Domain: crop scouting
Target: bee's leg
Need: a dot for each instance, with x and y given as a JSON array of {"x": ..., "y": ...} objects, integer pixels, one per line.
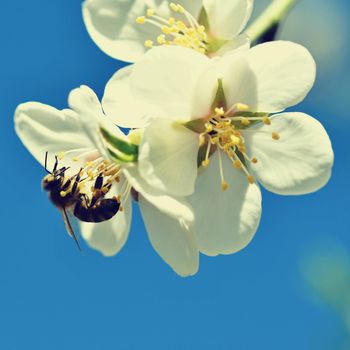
[
  {"x": 56, "y": 164},
  {"x": 76, "y": 182},
  {"x": 66, "y": 185},
  {"x": 97, "y": 193},
  {"x": 99, "y": 182}
]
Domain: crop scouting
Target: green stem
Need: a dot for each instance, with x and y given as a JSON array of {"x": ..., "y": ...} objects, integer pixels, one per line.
[{"x": 274, "y": 13}]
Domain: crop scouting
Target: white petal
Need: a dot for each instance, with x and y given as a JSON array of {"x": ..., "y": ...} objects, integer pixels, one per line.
[
  {"x": 228, "y": 18},
  {"x": 168, "y": 157},
  {"x": 85, "y": 102},
  {"x": 299, "y": 162},
  {"x": 225, "y": 221},
  {"x": 108, "y": 237},
  {"x": 176, "y": 207},
  {"x": 241, "y": 42},
  {"x": 119, "y": 104},
  {"x": 238, "y": 80},
  {"x": 284, "y": 72},
  {"x": 43, "y": 128},
  {"x": 111, "y": 25},
  {"x": 164, "y": 81},
  {"x": 172, "y": 241}
]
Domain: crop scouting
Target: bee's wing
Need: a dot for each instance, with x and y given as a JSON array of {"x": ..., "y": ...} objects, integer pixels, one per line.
[{"x": 69, "y": 227}]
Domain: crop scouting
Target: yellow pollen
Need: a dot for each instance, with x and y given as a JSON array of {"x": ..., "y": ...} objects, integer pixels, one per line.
[
  {"x": 121, "y": 208},
  {"x": 166, "y": 30},
  {"x": 90, "y": 174},
  {"x": 224, "y": 186},
  {"x": 63, "y": 194},
  {"x": 219, "y": 111},
  {"x": 150, "y": 12},
  {"x": 245, "y": 121},
  {"x": 89, "y": 164},
  {"x": 141, "y": 20},
  {"x": 61, "y": 155},
  {"x": 174, "y": 7},
  {"x": 235, "y": 140},
  {"x": 275, "y": 136},
  {"x": 161, "y": 39},
  {"x": 208, "y": 127},
  {"x": 75, "y": 159},
  {"x": 254, "y": 160},
  {"x": 171, "y": 21},
  {"x": 250, "y": 179},
  {"x": 266, "y": 121},
  {"x": 205, "y": 162},
  {"x": 214, "y": 140},
  {"x": 149, "y": 43},
  {"x": 237, "y": 164},
  {"x": 242, "y": 107}
]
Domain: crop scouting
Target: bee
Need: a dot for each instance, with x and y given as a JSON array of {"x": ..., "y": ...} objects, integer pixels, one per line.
[{"x": 65, "y": 194}]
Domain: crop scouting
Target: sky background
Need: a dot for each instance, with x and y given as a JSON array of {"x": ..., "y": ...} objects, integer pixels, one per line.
[{"x": 289, "y": 289}]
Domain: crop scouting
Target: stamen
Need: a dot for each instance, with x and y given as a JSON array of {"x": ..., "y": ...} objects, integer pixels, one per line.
[
  {"x": 275, "y": 136},
  {"x": 149, "y": 43},
  {"x": 206, "y": 161},
  {"x": 224, "y": 184},
  {"x": 61, "y": 155},
  {"x": 190, "y": 34}
]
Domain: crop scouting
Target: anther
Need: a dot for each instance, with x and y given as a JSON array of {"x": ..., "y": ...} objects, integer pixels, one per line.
[
  {"x": 219, "y": 111},
  {"x": 149, "y": 43},
  {"x": 141, "y": 20},
  {"x": 150, "y": 12},
  {"x": 242, "y": 107},
  {"x": 208, "y": 127},
  {"x": 235, "y": 140},
  {"x": 174, "y": 7},
  {"x": 275, "y": 136},
  {"x": 63, "y": 194},
  {"x": 61, "y": 155},
  {"x": 75, "y": 159},
  {"x": 254, "y": 160},
  {"x": 161, "y": 39},
  {"x": 245, "y": 121},
  {"x": 251, "y": 179},
  {"x": 224, "y": 186},
  {"x": 266, "y": 121},
  {"x": 237, "y": 164},
  {"x": 205, "y": 163}
]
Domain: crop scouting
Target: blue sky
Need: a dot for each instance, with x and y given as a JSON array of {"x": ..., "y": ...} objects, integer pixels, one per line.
[{"x": 52, "y": 297}]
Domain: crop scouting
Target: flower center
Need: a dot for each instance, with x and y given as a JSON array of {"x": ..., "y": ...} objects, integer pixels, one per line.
[
  {"x": 223, "y": 131},
  {"x": 185, "y": 32}
]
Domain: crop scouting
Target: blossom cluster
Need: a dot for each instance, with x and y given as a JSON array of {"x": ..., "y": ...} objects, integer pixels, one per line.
[{"x": 207, "y": 128}]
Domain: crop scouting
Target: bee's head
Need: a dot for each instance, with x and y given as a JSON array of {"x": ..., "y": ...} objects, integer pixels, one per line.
[{"x": 52, "y": 181}]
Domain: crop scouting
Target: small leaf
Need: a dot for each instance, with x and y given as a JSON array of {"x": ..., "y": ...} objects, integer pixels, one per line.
[
  {"x": 121, "y": 145},
  {"x": 204, "y": 19},
  {"x": 220, "y": 98}
]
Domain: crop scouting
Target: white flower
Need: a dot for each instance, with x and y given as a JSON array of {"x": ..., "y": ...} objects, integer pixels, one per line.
[
  {"x": 124, "y": 29},
  {"x": 74, "y": 136},
  {"x": 227, "y": 103}
]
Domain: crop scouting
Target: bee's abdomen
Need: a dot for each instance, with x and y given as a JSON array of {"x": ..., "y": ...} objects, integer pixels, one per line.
[{"x": 104, "y": 210}]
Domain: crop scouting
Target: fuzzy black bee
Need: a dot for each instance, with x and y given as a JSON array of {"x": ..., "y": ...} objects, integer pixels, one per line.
[{"x": 64, "y": 193}]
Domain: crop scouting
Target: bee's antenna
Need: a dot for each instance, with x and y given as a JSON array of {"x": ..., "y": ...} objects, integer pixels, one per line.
[{"x": 46, "y": 154}]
